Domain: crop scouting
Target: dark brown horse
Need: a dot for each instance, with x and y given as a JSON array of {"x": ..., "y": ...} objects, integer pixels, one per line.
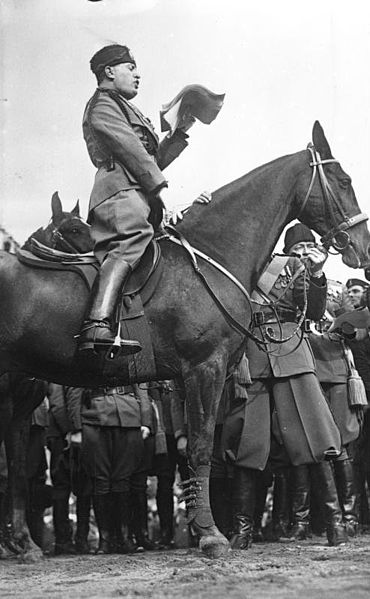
[
  {"x": 20, "y": 394},
  {"x": 194, "y": 340}
]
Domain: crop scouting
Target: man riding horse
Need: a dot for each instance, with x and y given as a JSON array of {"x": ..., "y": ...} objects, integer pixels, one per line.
[{"x": 128, "y": 186}]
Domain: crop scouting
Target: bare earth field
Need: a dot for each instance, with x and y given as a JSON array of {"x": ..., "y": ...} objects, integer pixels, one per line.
[{"x": 309, "y": 570}]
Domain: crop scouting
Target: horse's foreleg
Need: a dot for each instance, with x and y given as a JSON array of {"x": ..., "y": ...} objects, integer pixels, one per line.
[
  {"x": 203, "y": 387},
  {"x": 16, "y": 448}
]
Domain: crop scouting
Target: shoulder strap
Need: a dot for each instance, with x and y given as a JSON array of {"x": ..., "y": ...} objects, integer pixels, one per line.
[{"x": 269, "y": 276}]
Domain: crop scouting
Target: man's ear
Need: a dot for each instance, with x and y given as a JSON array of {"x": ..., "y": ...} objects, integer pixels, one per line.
[{"x": 109, "y": 73}]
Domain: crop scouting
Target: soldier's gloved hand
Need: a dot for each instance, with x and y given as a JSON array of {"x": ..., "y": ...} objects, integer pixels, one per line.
[
  {"x": 145, "y": 432},
  {"x": 182, "y": 443},
  {"x": 187, "y": 121},
  {"x": 317, "y": 257}
]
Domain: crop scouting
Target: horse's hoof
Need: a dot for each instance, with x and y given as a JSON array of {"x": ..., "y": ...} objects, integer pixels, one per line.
[{"x": 214, "y": 546}]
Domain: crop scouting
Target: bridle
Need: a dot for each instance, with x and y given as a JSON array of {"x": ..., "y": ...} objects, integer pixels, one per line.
[
  {"x": 57, "y": 238},
  {"x": 337, "y": 237}
]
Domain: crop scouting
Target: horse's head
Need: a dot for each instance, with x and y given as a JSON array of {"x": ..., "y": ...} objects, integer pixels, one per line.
[
  {"x": 67, "y": 232},
  {"x": 328, "y": 204}
]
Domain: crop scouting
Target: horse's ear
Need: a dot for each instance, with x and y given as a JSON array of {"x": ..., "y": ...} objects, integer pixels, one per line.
[
  {"x": 56, "y": 208},
  {"x": 320, "y": 142},
  {"x": 76, "y": 209}
]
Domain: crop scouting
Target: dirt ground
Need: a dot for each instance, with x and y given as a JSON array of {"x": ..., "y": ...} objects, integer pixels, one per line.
[{"x": 310, "y": 570}]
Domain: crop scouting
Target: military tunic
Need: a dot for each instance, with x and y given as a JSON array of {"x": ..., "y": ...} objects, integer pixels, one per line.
[
  {"x": 285, "y": 397},
  {"x": 332, "y": 372},
  {"x": 112, "y": 443},
  {"x": 124, "y": 147}
]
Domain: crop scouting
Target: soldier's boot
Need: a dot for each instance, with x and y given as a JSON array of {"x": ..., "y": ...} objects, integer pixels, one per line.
[
  {"x": 97, "y": 328},
  {"x": 344, "y": 477},
  {"x": 261, "y": 495},
  {"x": 121, "y": 502},
  {"x": 102, "y": 505},
  {"x": 220, "y": 500},
  {"x": 244, "y": 501},
  {"x": 301, "y": 503},
  {"x": 83, "y": 503},
  {"x": 281, "y": 505},
  {"x": 62, "y": 526},
  {"x": 165, "y": 512},
  {"x": 140, "y": 522},
  {"x": 335, "y": 527}
]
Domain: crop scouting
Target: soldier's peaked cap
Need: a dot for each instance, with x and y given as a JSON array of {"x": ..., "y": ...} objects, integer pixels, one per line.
[
  {"x": 295, "y": 234},
  {"x": 356, "y": 282},
  {"x": 110, "y": 56}
]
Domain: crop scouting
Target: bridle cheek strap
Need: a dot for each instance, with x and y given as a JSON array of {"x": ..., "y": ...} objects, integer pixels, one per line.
[{"x": 339, "y": 230}]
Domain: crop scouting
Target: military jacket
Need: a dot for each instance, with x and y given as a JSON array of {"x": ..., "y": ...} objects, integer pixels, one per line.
[
  {"x": 124, "y": 147},
  {"x": 294, "y": 356},
  {"x": 128, "y": 409},
  {"x": 329, "y": 355},
  {"x": 64, "y": 410}
]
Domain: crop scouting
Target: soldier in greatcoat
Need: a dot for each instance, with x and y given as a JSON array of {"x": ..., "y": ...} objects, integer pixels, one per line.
[
  {"x": 286, "y": 407},
  {"x": 125, "y": 149}
]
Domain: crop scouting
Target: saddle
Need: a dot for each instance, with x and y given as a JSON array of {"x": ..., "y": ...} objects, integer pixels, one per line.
[
  {"x": 138, "y": 290},
  {"x": 144, "y": 279}
]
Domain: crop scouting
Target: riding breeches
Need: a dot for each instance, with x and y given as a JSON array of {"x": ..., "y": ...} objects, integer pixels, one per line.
[
  {"x": 120, "y": 227},
  {"x": 293, "y": 410}
]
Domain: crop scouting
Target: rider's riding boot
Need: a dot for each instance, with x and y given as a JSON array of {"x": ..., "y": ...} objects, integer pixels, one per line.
[
  {"x": 281, "y": 505},
  {"x": 102, "y": 509},
  {"x": 335, "y": 527},
  {"x": 165, "y": 512},
  {"x": 96, "y": 330},
  {"x": 347, "y": 495},
  {"x": 220, "y": 500},
  {"x": 301, "y": 503},
  {"x": 83, "y": 523},
  {"x": 244, "y": 500}
]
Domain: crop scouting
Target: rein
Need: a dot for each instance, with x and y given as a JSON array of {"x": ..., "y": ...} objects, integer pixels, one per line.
[{"x": 337, "y": 237}]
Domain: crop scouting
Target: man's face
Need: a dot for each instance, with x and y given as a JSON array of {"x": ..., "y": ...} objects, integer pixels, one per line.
[
  {"x": 301, "y": 249},
  {"x": 355, "y": 294},
  {"x": 125, "y": 79}
]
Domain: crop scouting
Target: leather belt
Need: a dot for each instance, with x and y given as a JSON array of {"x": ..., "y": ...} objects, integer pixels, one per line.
[
  {"x": 98, "y": 391},
  {"x": 261, "y": 317}
]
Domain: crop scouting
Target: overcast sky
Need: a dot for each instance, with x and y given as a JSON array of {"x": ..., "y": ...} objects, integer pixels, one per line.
[{"x": 282, "y": 65}]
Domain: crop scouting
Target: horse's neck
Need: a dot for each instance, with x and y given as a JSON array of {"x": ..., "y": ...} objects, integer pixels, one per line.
[
  {"x": 40, "y": 235},
  {"x": 243, "y": 222}
]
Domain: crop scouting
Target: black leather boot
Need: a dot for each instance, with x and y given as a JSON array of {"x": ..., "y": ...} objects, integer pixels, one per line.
[
  {"x": 165, "y": 512},
  {"x": 96, "y": 330},
  {"x": 344, "y": 478},
  {"x": 261, "y": 495},
  {"x": 121, "y": 503},
  {"x": 140, "y": 522},
  {"x": 220, "y": 500},
  {"x": 244, "y": 501},
  {"x": 301, "y": 480},
  {"x": 323, "y": 477},
  {"x": 62, "y": 526},
  {"x": 102, "y": 505},
  {"x": 83, "y": 503},
  {"x": 281, "y": 505}
]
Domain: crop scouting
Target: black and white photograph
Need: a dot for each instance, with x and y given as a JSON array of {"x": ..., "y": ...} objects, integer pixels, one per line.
[{"x": 184, "y": 299}]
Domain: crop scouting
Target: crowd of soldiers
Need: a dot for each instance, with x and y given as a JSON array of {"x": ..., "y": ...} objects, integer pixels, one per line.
[{"x": 292, "y": 444}]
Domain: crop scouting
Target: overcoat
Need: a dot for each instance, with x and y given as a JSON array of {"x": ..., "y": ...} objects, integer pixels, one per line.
[{"x": 285, "y": 398}]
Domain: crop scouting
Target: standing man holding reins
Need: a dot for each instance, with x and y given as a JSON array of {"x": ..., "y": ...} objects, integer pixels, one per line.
[{"x": 128, "y": 186}]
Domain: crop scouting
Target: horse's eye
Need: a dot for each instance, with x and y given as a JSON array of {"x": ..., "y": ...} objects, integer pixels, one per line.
[
  {"x": 75, "y": 231},
  {"x": 344, "y": 183}
]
